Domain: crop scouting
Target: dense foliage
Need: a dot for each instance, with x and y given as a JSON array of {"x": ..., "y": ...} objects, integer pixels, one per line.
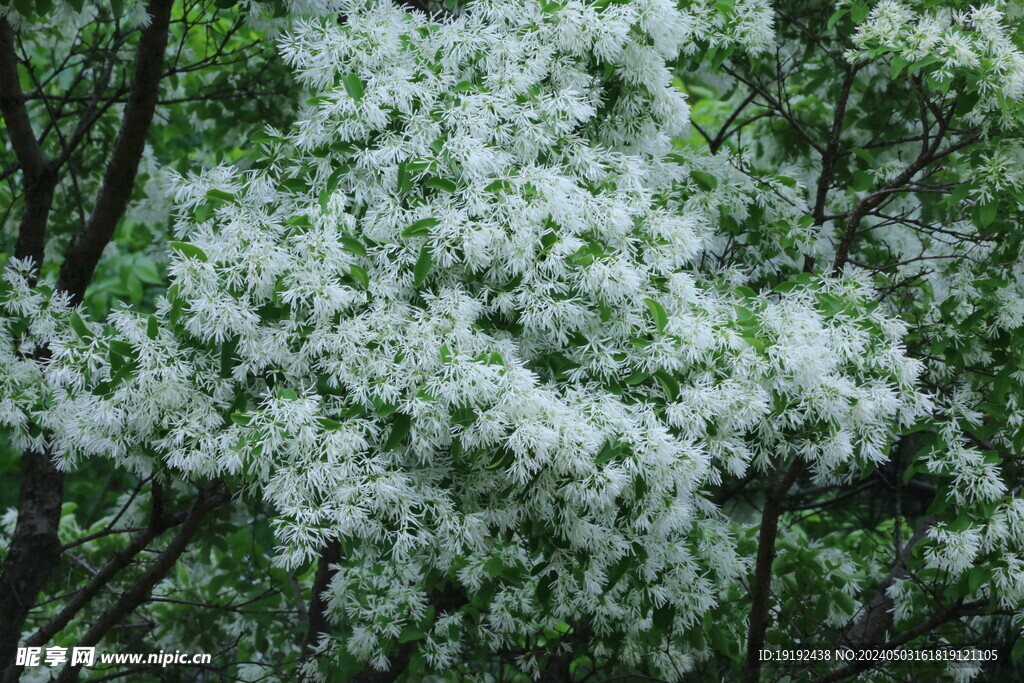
[{"x": 489, "y": 341}]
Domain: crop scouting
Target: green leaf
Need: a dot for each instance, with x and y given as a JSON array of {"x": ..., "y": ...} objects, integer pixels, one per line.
[
  {"x": 410, "y": 634},
  {"x": 705, "y": 180},
  {"x": 617, "y": 571},
  {"x": 499, "y": 186},
  {"x": 859, "y": 12},
  {"x": 428, "y": 617},
  {"x": 864, "y": 154},
  {"x": 987, "y": 214},
  {"x": 79, "y": 326},
  {"x": 121, "y": 347},
  {"x": 359, "y": 275},
  {"x": 663, "y": 617},
  {"x": 862, "y": 180},
  {"x": 202, "y": 212},
  {"x": 294, "y": 185},
  {"x": 352, "y": 245},
  {"x": 960, "y": 193},
  {"x": 384, "y": 409},
  {"x": 152, "y": 327},
  {"x": 668, "y": 383},
  {"x": 845, "y": 602},
  {"x": 190, "y": 251},
  {"x": 657, "y": 313},
  {"x": 420, "y": 228},
  {"x": 134, "y": 287},
  {"x": 353, "y": 86},
  {"x": 287, "y": 394},
  {"x": 329, "y": 424},
  {"x": 335, "y": 178},
  {"x": 836, "y": 16},
  {"x": 260, "y": 137},
  {"x": 347, "y": 665},
  {"x": 609, "y": 452},
  {"x": 241, "y": 419},
  {"x": 422, "y": 268},
  {"x": 219, "y": 196},
  {"x": 637, "y": 377},
  {"x": 404, "y": 178},
  {"x": 544, "y": 588},
  {"x": 1018, "y": 650},
  {"x": 896, "y": 66},
  {"x": 501, "y": 460},
  {"x": 146, "y": 271},
  {"x": 977, "y": 576},
  {"x": 443, "y": 184},
  {"x": 401, "y": 425},
  {"x": 301, "y": 221},
  {"x": 494, "y": 567},
  {"x": 724, "y": 7}
]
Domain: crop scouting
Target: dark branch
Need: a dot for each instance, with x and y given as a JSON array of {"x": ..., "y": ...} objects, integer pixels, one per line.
[
  {"x": 317, "y": 605},
  {"x": 87, "y": 246},
  {"x": 953, "y": 613},
  {"x": 39, "y": 176},
  {"x": 209, "y": 500},
  {"x": 760, "y": 594},
  {"x": 159, "y": 522},
  {"x": 12, "y": 105}
]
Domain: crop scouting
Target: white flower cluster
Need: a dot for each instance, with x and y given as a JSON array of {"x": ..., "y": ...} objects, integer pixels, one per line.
[
  {"x": 747, "y": 25},
  {"x": 976, "y": 39}
]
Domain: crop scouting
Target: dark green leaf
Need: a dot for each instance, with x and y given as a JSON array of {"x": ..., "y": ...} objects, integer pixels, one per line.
[{"x": 401, "y": 425}]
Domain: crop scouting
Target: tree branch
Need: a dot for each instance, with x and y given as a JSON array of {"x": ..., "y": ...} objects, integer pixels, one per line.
[
  {"x": 951, "y": 614},
  {"x": 85, "y": 249},
  {"x": 208, "y": 501},
  {"x": 39, "y": 175},
  {"x": 12, "y": 105},
  {"x": 159, "y": 522},
  {"x": 873, "y": 200},
  {"x": 760, "y": 593},
  {"x": 34, "y": 548},
  {"x": 317, "y": 605}
]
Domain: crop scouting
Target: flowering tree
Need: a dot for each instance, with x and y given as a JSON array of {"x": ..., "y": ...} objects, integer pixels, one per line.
[{"x": 545, "y": 339}]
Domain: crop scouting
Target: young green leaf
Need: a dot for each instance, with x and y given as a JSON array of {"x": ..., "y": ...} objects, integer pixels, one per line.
[
  {"x": 657, "y": 313},
  {"x": 190, "y": 251},
  {"x": 353, "y": 86},
  {"x": 420, "y": 228},
  {"x": 359, "y": 275}
]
